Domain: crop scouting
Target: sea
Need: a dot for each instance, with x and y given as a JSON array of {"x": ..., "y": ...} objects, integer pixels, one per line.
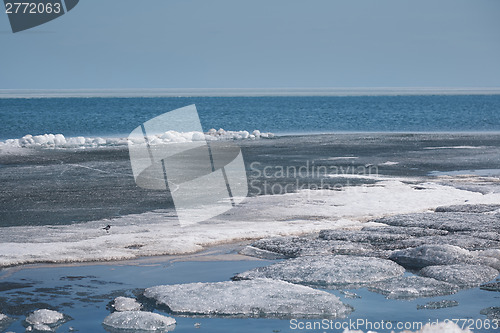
[
  {"x": 370, "y": 151},
  {"x": 281, "y": 115}
]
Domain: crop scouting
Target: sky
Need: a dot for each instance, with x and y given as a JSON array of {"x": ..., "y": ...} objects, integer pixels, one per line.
[{"x": 118, "y": 44}]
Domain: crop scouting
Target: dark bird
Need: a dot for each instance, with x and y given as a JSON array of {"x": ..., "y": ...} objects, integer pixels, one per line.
[{"x": 107, "y": 228}]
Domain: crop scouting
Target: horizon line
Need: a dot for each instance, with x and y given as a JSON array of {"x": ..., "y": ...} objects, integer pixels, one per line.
[{"x": 245, "y": 92}]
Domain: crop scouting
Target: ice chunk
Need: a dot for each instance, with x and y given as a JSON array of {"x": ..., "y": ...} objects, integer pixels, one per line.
[
  {"x": 260, "y": 253},
  {"x": 430, "y": 255},
  {"x": 126, "y": 304},
  {"x": 328, "y": 271},
  {"x": 446, "y": 221},
  {"x": 461, "y": 274},
  {"x": 292, "y": 247},
  {"x": 42, "y": 328},
  {"x": 373, "y": 237},
  {"x": 45, "y": 316},
  {"x": 249, "y": 298},
  {"x": 493, "y": 286},
  {"x": 479, "y": 208},
  {"x": 438, "y": 305},
  {"x": 493, "y": 313},
  {"x": 491, "y": 253},
  {"x": 410, "y": 231},
  {"x": 462, "y": 240},
  {"x": 2, "y": 317},
  {"x": 411, "y": 287},
  {"x": 358, "y": 249},
  {"x": 139, "y": 320}
]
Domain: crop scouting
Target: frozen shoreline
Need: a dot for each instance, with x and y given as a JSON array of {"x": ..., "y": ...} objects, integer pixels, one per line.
[{"x": 157, "y": 233}]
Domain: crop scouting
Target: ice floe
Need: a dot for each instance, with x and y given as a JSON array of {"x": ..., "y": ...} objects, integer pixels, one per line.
[
  {"x": 430, "y": 255},
  {"x": 362, "y": 236},
  {"x": 412, "y": 287},
  {"x": 252, "y": 251},
  {"x": 463, "y": 240},
  {"x": 438, "y": 305},
  {"x": 249, "y": 298},
  {"x": 462, "y": 275},
  {"x": 158, "y": 232},
  {"x": 139, "y": 321},
  {"x": 45, "y": 316},
  {"x": 2, "y": 317},
  {"x": 410, "y": 231},
  {"x": 329, "y": 271},
  {"x": 478, "y": 208},
  {"x": 450, "y": 221},
  {"x": 293, "y": 246},
  {"x": 121, "y": 304}
]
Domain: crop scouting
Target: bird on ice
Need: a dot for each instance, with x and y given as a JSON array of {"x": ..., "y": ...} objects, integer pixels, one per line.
[{"x": 107, "y": 228}]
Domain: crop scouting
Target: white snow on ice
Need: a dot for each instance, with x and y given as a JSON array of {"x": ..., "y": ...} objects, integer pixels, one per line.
[
  {"x": 126, "y": 304},
  {"x": 44, "y": 317}
]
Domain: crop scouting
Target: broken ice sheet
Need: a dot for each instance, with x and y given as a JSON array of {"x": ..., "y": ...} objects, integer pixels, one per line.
[
  {"x": 249, "y": 299},
  {"x": 328, "y": 271},
  {"x": 461, "y": 274},
  {"x": 292, "y": 247},
  {"x": 138, "y": 321},
  {"x": 412, "y": 287}
]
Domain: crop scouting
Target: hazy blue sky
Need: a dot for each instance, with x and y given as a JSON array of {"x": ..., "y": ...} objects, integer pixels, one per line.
[{"x": 258, "y": 43}]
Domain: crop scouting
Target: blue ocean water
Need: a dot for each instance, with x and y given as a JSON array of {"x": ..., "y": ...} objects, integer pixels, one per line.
[{"x": 281, "y": 115}]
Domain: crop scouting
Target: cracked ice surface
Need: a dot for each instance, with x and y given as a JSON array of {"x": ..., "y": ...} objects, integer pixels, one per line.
[
  {"x": 328, "y": 271},
  {"x": 412, "y": 287},
  {"x": 157, "y": 232},
  {"x": 249, "y": 298},
  {"x": 462, "y": 275}
]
